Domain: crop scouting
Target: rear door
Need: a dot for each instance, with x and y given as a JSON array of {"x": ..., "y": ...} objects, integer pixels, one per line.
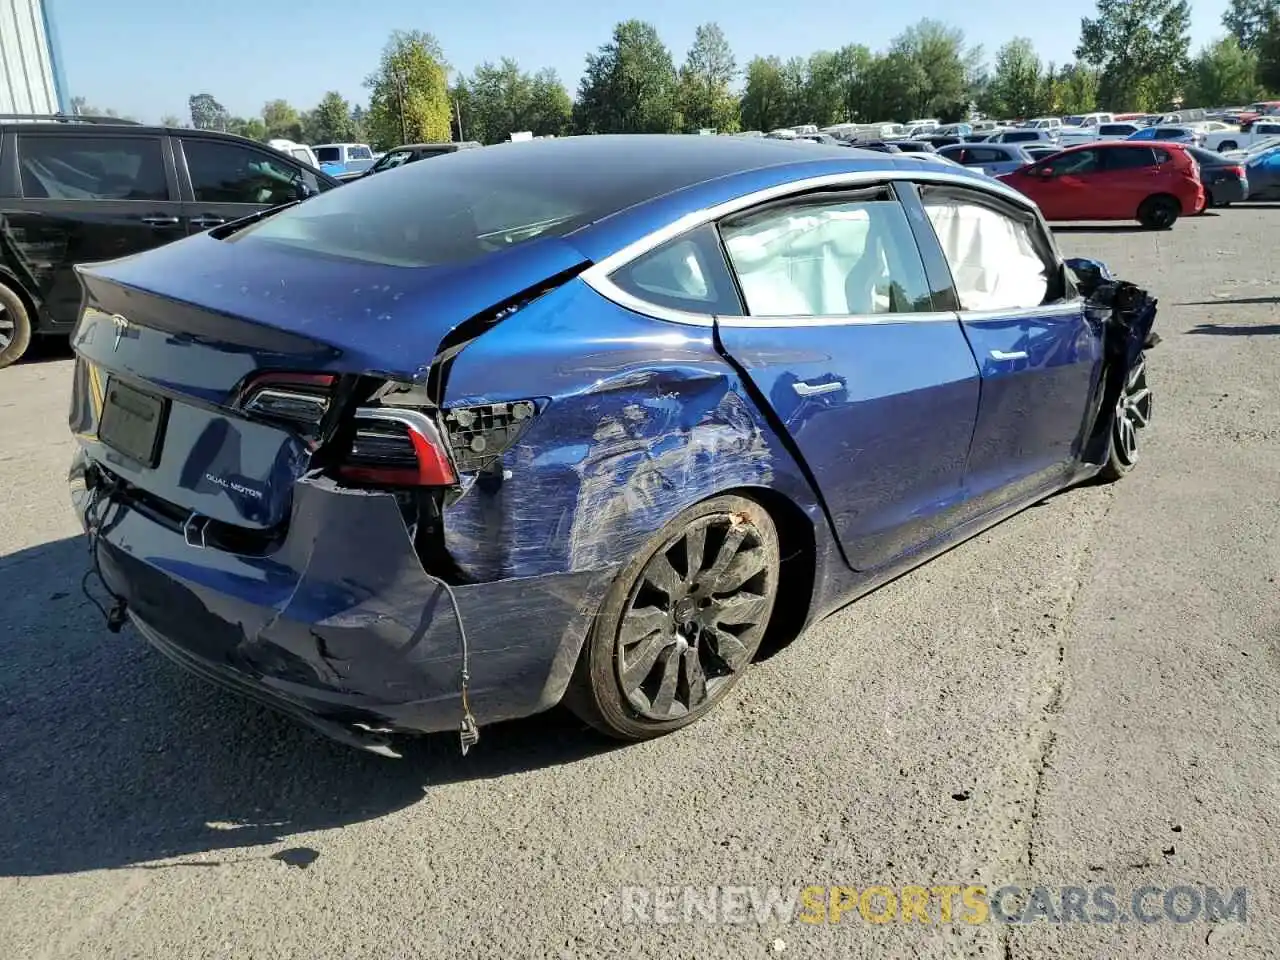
[
  {"x": 1039, "y": 355},
  {"x": 224, "y": 180},
  {"x": 1130, "y": 173},
  {"x": 85, "y": 197},
  {"x": 866, "y": 369}
]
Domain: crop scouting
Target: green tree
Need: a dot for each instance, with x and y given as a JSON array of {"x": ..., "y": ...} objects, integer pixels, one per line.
[
  {"x": 251, "y": 127},
  {"x": 706, "y": 97},
  {"x": 824, "y": 93},
  {"x": 331, "y": 120},
  {"x": 170, "y": 120},
  {"x": 1250, "y": 20},
  {"x": 409, "y": 99},
  {"x": 1269, "y": 57},
  {"x": 764, "y": 98},
  {"x": 282, "y": 120},
  {"x": 207, "y": 113},
  {"x": 1072, "y": 89},
  {"x": 852, "y": 76},
  {"x": 932, "y": 69},
  {"x": 499, "y": 96},
  {"x": 1141, "y": 48},
  {"x": 1019, "y": 87},
  {"x": 1223, "y": 73},
  {"x": 629, "y": 85},
  {"x": 550, "y": 109}
]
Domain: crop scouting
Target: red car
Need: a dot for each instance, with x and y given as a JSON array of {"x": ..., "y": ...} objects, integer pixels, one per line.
[{"x": 1151, "y": 182}]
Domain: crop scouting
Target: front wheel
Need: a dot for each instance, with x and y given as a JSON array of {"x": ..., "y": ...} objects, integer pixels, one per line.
[
  {"x": 1159, "y": 212},
  {"x": 681, "y": 622},
  {"x": 1132, "y": 414}
]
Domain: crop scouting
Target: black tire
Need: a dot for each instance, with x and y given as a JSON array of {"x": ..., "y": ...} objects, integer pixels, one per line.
[
  {"x": 663, "y": 651},
  {"x": 1159, "y": 212},
  {"x": 1226, "y": 145},
  {"x": 1130, "y": 417},
  {"x": 15, "y": 327}
]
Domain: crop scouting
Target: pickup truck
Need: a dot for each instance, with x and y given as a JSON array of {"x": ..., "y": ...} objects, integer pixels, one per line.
[{"x": 1248, "y": 134}]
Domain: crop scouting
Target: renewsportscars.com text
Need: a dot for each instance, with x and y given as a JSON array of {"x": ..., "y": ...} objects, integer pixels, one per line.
[{"x": 933, "y": 904}]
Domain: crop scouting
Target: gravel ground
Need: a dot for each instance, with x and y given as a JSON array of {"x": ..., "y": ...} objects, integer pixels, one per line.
[{"x": 1084, "y": 695}]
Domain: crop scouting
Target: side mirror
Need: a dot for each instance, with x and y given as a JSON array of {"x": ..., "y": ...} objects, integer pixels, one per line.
[{"x": 302, "y": 190}]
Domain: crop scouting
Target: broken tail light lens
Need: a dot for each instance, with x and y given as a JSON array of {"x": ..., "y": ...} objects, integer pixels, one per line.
[
  {"x": 296, "y": 399},
  {"x": 397, "y": 447},
  {"x": 479, "y": 435}
]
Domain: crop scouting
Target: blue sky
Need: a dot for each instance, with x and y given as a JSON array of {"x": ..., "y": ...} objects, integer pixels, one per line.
[{"x": 144, "y": 57}]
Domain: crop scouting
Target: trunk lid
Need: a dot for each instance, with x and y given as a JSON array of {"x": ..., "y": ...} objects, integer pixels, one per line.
[{"x": 173, "y": 334}]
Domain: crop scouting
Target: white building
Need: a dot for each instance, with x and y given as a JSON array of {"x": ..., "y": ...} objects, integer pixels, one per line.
[{"x": 30, "y": 71}]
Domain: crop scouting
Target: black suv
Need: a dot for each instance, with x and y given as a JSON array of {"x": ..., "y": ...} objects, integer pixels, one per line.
[{"x": 79, "y": 189}]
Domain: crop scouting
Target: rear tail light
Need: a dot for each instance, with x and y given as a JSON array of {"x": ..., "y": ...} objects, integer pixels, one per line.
[
  {"x": 296, "y": 399},
  {"x": 397, "y": 447},
  {"x": 1236, "y": 172}
]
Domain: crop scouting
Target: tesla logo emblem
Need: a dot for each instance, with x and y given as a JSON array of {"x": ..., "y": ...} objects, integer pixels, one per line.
[{"x": 122, "y": 328}]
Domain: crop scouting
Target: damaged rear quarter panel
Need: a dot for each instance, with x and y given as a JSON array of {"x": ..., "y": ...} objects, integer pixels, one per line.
[{"x": 643, "y": 418}]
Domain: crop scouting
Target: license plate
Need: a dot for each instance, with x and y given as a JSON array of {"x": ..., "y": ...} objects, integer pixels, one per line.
[{"x": 132, "y": 422}]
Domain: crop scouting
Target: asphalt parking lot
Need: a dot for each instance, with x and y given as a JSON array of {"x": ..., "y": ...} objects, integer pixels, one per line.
[{"x": 1085, "y": 695}]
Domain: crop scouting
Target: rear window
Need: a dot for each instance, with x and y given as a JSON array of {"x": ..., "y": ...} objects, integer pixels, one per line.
[
  {"x": 1021, "y": 136},
  {"x": 1130, "y": 158},
  {"x": 471, "y": 203},
  {"x": 1117, "y": 129},
  {"x": 77, "y": 167}
]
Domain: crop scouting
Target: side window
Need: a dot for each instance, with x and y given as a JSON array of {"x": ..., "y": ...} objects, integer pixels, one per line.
[
  {"x": 61, "y": 167},
  {"x": 1130, "y": 158},
  {"x": 687, "y": 273},
  {"x": 360, "y": 153},
  {"x": 1161, "y": 156},
  {"x": 998, "y": 261},
  {"x": 986, "y": 155},
  {"x": 1075, "y": 163},
  {"x": 831, "y": 256},
  {"x": 328, "y": 154},
  {"x": 229, "y": 173}
]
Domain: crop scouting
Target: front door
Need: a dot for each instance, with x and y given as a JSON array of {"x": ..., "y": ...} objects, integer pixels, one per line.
[
  {"x": 225, "y": 180},
  {"x": 1068, "y": 190},
  {"x": 878, "y": 389},
  {"x": 1039, "y": 355},
  {"x": 86, "y": 198}
]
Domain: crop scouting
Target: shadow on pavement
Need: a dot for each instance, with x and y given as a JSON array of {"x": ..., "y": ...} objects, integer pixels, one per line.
[
  {"x": 113, "y": 757},
  {"x": 1242, "y": 330},
  {"x": 1225, "y": 300},
  {"x": 47, "y": 348}
]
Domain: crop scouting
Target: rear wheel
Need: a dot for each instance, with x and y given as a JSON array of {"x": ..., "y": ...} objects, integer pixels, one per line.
[
  {"x": 1226, "y": 145},
  {"x": 1132, "y": 414},
  {"x": 681, "y": 623},
  {"x": 1159, "y": 212},
  {"x": 15, "y": 327}
]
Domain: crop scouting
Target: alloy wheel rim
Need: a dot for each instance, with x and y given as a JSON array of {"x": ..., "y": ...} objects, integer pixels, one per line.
[
  {"x": 1133, "y": 413},
  {"x": 7, "y": 328},
  {"x": 682, "y": 636}
]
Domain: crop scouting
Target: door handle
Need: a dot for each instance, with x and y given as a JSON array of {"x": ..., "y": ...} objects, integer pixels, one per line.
[
  {"x": 1012, "y": 355},
  {"x": 206, "y": 222},
  {"x": 813, "y": 389},
  {"x": 159, "y": 221}
]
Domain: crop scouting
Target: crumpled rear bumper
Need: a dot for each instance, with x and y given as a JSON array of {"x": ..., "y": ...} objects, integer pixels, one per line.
[{"x": 341, "y": 626}]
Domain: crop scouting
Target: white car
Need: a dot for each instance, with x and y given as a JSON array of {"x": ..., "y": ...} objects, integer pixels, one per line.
[
  {"x": 1044, "y": 123},
  {"x": 1074, "y": 136},
  {"x": 1025, "y": 135},
  {"x": 1232, "y": 139},
  {"x": 299, "y": 151}
]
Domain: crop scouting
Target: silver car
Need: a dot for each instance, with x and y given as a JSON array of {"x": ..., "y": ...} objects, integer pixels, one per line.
[{"x": 992, "y": 159}]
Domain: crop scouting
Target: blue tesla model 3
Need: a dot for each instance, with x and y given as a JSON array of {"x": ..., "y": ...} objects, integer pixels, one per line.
[{"x": 577, "y": 420}]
